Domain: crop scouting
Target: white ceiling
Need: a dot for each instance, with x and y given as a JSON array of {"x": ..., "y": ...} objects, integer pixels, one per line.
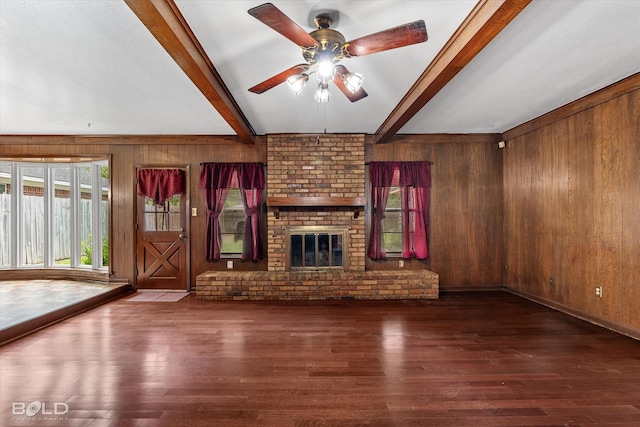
[{"x": 90, "y": 67}]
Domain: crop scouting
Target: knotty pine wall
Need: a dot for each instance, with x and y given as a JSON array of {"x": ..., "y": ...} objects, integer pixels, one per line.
[{"x": 572, "y": 207}]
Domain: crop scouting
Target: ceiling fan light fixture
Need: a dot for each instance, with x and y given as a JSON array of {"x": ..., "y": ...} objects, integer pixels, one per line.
[
  {"x": 353, "y": 81},
  {"x": 326, "y": 71},
  {"x": 297, "y": 82},
  {"x": 322, "y": 93}
]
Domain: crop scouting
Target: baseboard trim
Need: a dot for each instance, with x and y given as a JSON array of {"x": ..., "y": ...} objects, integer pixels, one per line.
[{"x": 631, "y": 333}]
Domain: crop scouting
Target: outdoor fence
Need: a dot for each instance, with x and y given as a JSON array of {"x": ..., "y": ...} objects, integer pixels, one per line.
[{"x": 33, "y": 219}]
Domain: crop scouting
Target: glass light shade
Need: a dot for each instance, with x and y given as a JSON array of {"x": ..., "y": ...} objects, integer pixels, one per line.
[
  {"x": 322, "y": 93},
  {"x": 326, "y": 71},
  {"x": 353, "y": 81},
  {"x": 297, "y": 82}
]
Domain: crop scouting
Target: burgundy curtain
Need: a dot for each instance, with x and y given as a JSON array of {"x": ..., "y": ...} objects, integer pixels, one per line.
[
  {"x": 215, "y": 179},
  {"x": 422, "y": 226},
  {"x": 251, "y": 182},
  {"x": 381, "y": 174},
  {"x": 161, "y": 184},
  {"x": 414, "y": 178}
]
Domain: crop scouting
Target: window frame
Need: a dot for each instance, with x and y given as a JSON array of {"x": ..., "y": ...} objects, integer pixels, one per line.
[{"x": 100, "y": 212}]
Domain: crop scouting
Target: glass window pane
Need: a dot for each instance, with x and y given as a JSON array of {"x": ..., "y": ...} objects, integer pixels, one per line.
[
  {"x": 336, "y": 250},
  {"x": 309, "y": 250},
  {"x": 392, "y": 222},
  {"x": 296, "y": 250},
  {"x": 5, "y": 214},
  {"x": 323, "y": 250},
  {"x": 104, "y": 174},
  {"x": 86, "y": 213},
  {"x": 232, "y": 223},
  {"x": 32, "y": 215},
  {"x": 61, "y": 215},
  {"x": 164, "y": 216}
]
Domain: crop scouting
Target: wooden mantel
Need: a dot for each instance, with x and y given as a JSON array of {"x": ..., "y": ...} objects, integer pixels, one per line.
[{"x": 354, "y": 203}]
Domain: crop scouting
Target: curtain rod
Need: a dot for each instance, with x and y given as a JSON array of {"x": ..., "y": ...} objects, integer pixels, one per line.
[
  {"x": 237, "y": 163},
  {"x": 430, "y": 162},
  {"x": 264, "y": 164}
]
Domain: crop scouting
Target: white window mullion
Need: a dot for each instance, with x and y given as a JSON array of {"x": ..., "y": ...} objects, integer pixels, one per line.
[
  {"x": 96, "y": 219},
  {"x": 47, "y": 187},
  {"x": 16, "y": 218}
]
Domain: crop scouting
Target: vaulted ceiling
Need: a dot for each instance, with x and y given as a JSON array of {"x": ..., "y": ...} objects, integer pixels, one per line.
[{"x": 156, "y": 67}]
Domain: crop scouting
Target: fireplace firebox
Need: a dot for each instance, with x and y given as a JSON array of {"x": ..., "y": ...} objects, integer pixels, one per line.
[{"x": 317, "y": 248}]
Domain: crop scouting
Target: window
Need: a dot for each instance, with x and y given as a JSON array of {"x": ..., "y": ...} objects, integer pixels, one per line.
[
  {"x": 400, "y": 193},
  {"x": 60, "y": 214},
  {"x": 232, "y": 223},
  {"x": 233, "y": 192}
]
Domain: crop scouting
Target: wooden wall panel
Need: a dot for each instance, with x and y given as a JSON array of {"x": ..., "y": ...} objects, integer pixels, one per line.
[
  {"x": 572, "y": 212},
  {"x": 466, "y": 207},
  {"x": 630, "y": 188},
  {"x": 128, "y": 152}
]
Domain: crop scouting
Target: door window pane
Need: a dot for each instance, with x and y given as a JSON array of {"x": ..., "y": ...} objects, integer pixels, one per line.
[{"x": 163, "y": 216}]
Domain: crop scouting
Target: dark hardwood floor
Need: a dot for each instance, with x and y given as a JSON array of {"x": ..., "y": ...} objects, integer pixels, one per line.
[{"x": 468, "y": 359}]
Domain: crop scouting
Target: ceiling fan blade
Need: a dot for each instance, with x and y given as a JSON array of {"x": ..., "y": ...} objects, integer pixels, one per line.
[
  {"x": 273, "y": 17},
  {"x": 403, "y": 35},
  {"x": 279, "y": 78},
  {"x": 353, "y": 97}
]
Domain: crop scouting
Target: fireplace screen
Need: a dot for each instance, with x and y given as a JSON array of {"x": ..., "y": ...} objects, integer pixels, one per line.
[{"x": 313, "y": 249}]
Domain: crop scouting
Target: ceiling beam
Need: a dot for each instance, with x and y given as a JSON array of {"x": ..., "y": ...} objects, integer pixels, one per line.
[
  {"x": 485, "y": 21},
  {"x": 165, "y": 22}
]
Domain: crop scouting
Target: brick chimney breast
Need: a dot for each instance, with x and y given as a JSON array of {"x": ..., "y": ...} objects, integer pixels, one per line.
[{"x": 315, "y": 166}]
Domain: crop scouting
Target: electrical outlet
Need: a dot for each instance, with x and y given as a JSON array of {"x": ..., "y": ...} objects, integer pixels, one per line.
[
  {"x": 230, "y": 265},
  {"x": 194, "y": 211},
  {"x": 401, "y": 263},
  {"x": 599, "y": 291}
]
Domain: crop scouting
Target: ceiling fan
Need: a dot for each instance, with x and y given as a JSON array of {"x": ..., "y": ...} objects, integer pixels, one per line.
[{"x": 324, "y": 48}]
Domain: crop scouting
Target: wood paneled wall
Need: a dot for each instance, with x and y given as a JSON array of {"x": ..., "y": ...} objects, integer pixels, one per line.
[
  {"x": 466, "y": 205},
  {"x": 572, "y": 208},
  {"x": 127, "y": 153}
]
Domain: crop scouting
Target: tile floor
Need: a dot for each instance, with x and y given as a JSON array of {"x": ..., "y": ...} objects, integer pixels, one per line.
[{"x": 24, "y": 300}]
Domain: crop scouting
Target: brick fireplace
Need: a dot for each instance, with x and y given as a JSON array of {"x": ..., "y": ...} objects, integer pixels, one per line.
[
  {"x": 316, "y": 182},
  {"x": 327, "y": 167}
]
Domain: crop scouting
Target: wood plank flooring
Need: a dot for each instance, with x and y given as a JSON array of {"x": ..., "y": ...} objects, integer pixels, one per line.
[{"x": 468, "y": 359}]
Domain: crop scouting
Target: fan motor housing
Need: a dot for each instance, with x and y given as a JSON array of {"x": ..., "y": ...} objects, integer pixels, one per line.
[{"x": 329, "y": 42}]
